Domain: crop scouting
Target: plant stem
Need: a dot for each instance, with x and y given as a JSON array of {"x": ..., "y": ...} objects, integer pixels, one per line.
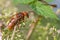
[
  {"x": 12, "y": 37},
  {"x": 31, "y": 29}
]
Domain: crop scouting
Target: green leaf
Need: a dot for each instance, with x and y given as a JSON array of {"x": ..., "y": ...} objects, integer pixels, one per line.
[
  {"x": 48, "y": 0},
  {"x": 15, "y": 2},
  {"x": 44, "y": 10}
]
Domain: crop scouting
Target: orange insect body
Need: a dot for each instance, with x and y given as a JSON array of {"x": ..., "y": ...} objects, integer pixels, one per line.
[{"x": 16, "y": 18}]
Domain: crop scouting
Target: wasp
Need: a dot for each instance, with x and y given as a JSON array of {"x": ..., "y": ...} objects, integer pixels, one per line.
[{"x": 16, "y": 18}]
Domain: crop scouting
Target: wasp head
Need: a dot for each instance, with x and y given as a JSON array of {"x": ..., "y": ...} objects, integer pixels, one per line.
[{"x": 25, "y": 14}]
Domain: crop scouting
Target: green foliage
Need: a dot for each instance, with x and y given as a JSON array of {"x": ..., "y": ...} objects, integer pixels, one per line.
[
  {"x": 45, "y": 31},
  {"x": 22, "y": 1},
  {"x": 44, "y": 10},
  {"x": 49, "y": 0}
]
